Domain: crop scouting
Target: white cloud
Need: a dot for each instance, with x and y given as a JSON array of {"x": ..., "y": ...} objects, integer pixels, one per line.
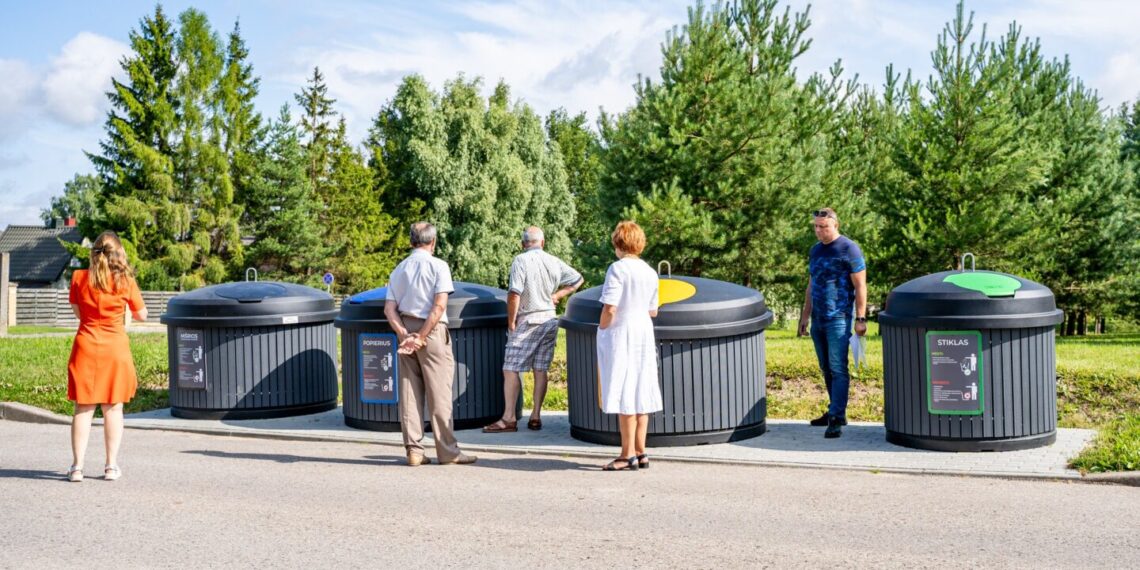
[
  {"x": 1120, "y": 81},
  {"x": 74, "y": 86},
  {"x": 17, "y": 96},
  {"x": 550, "y": 54}
]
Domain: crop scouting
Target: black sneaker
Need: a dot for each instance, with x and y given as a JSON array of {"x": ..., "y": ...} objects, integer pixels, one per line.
[
  {"x": 821, "y": 420},
  {"x": 834, "y": 428}
]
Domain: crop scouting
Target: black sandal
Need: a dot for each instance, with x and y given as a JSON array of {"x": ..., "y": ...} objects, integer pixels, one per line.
[
  {"x": 643, "y": 461},
  {"x": 630, "y": 464}
]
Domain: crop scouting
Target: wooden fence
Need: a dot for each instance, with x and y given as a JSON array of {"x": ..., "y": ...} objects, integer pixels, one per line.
[{"x": 49, "y": 307}]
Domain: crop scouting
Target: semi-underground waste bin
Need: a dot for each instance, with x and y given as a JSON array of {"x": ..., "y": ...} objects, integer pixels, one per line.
[
  {"x": 710, "y": 345},
  {"x": 969, "y": 363},
  {"x": 477, "y": 320},
  {"x": 255, "y": 349}
]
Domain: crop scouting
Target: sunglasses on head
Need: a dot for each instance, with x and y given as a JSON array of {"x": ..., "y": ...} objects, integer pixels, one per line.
[{"x": 823, "y": 214}]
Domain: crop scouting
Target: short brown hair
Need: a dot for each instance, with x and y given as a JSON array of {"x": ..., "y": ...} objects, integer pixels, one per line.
[{"x": 628, "y": 237}]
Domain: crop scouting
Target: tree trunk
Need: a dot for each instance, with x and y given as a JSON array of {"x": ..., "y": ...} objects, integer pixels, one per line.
[{"x": 1082, "y": 324}]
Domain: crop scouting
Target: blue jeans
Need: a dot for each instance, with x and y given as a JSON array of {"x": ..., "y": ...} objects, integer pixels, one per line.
[{"x": 831, "y": 340}]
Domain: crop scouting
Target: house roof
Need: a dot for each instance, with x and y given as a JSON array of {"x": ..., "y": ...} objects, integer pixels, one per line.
[{"x": 37, "y": 255}]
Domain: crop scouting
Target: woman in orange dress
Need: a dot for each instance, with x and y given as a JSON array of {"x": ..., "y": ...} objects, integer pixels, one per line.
[{"x": 101, "y": 370}]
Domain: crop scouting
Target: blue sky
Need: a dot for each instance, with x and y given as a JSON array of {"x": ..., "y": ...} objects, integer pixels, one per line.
[{"x": 57, "y": 58}]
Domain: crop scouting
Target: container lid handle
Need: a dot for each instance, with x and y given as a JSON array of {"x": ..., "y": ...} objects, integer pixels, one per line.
[
  {"x": 972, "y": 266},
  {"x": 667, "y": 265},
  {"x": 247, "y": 272}
]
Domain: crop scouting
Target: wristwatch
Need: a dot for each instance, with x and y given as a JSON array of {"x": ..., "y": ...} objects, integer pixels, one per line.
[{"x": 860, "y": 319}]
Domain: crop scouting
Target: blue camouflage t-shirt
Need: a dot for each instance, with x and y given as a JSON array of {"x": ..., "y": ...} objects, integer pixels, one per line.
[{"x": 831, "y": 266}]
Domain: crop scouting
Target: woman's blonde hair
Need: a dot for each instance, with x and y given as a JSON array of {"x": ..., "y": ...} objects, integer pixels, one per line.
[
  {"x": 109, "y": 268},
  {"x": 628, "y": 237}
]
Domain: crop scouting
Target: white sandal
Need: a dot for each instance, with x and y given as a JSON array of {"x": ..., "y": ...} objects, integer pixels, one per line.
[
  {"x": 75, "y": 474},
  {"x": 112, "y": 472}
]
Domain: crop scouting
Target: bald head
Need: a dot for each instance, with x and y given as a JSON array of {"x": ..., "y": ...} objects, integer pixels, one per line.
[{"x": 533, "y": 237}]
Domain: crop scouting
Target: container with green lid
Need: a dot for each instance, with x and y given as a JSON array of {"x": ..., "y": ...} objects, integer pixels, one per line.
[{"x": 969, "y": 362}]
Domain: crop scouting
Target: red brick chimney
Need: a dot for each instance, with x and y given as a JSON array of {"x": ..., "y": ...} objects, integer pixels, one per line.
[{"x": 69, "y": 223}]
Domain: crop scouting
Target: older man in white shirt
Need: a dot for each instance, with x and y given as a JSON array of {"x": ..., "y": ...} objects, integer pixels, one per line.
[
  {"x": 416, "y": 309},
  {"x": 538, "y": 281}
]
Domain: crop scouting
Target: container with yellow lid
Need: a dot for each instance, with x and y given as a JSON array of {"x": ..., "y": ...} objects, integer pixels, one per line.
[{"x": 710, "y": 342}]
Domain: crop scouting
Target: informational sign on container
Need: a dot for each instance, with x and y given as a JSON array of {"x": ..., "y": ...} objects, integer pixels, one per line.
[
  {"x": 191, "y": 359},
  {"x": 379, "y": 378},
  {"x": 954, "y": 373}
]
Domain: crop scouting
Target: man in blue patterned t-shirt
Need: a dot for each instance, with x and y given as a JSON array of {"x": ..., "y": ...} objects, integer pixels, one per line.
[{"x": 838, "y": 281}]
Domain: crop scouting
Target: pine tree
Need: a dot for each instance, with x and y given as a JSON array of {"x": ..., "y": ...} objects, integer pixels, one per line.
[
  {"x": 964, "y": 167},
  {"x": 726, "y": 139},
  {"x": 1125, "y": 296}
]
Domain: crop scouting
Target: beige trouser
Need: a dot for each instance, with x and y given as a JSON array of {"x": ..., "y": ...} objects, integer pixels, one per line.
[{"x": 428, "y": 372}]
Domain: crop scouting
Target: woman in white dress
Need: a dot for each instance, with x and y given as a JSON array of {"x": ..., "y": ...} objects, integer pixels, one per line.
[{"x": 627, "y": 351}]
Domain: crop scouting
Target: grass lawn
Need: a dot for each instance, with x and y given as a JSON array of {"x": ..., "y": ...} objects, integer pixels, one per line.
[
  {"x": 1098, "y": 384},
  {"x": 38, "y": 329},
  {"x": 34, "y": 372}
]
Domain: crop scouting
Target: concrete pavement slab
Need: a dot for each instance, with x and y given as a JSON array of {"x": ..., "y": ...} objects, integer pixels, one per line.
[{"x": 788, "y": 443}]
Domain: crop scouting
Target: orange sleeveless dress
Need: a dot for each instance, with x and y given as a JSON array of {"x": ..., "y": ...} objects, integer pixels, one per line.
[{"x": 101, "y": 370}]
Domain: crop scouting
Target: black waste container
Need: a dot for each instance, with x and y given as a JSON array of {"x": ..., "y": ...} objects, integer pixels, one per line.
[
  {"x": 710, "y": 342},
  {"x": 256, "y": 349},
  {"x": 477, "y": 320},
  {"x": 969, "y": 362}
]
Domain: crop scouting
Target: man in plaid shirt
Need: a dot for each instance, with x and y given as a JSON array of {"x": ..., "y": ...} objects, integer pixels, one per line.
[{"x": 538, "y": 281}]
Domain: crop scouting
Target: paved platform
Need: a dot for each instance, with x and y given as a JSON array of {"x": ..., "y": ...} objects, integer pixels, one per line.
[{"x": 788, "y": 443}]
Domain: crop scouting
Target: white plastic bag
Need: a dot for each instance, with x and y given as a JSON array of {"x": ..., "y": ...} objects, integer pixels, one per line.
[{"x": 858, "y": 351}]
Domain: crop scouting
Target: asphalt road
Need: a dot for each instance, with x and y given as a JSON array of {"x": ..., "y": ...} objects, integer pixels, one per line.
[{"x": 189, "y": 500}]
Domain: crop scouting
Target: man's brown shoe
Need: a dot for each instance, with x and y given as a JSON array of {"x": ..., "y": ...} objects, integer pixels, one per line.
[
  {"x": 415, "y": 460},
  {"x": 463, "y": 459}
]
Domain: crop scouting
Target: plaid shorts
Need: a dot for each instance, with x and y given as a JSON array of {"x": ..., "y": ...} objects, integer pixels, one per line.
[{"x": 531, "y": 346}]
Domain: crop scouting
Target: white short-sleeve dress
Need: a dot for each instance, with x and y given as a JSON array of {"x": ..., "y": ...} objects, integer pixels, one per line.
[{"x": 627, "y": 351}]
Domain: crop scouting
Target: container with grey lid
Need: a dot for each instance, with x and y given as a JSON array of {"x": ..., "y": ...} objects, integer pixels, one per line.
[
  {"x": 477, "y": 321},
  {"x": 710, "y": 345},
  {"x": 969, "y": 362},
  {"x": 254, "y": 349}
]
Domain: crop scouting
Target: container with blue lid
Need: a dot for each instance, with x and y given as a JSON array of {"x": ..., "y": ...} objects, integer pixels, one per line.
[{"x": 477, "y": 323}]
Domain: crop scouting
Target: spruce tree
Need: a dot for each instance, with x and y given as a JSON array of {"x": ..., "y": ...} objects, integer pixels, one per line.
[
  {"x": 135, "y": 163},
  {"x": 317, "y": 131},
  {"x": 363, "y": 234},
  {"x": 241, "y": 125},
  {"x": 281, "y": 208},
  {"x": 204, "y": 187}
]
